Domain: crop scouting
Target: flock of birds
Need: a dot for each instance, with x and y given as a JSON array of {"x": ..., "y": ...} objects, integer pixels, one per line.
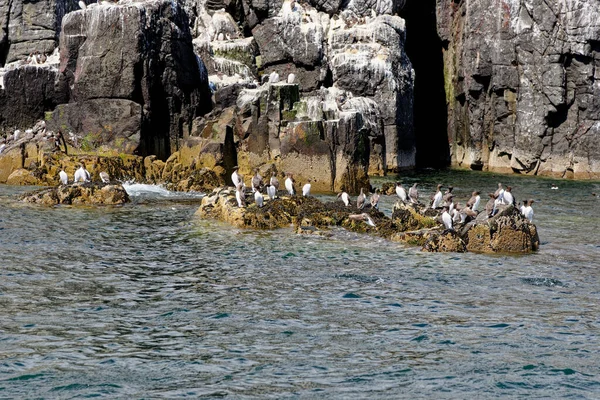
[
  {"x": 82, "y": 175},
  {"x": 451, "y": 212}
]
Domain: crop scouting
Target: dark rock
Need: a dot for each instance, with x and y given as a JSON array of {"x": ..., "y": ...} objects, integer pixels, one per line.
[
  {"x": 447, "y": 241},
  {"x": 519, "y": 99},
  {"x": 79, "y": 194}
]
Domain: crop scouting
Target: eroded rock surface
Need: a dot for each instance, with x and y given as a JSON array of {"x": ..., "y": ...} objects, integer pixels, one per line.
[
  {"x": 521, "y": 84},
  {"x": 507, "y": 232},
  {"x": 79, "y": 194}
]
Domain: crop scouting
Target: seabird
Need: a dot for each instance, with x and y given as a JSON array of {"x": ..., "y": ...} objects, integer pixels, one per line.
[
  {"x": 361, "y": 200},
  {"x": 306, "y": 189},
  {"x": 499, "y": 192},
  {"x": 220, "y": 37},
  {"x": 274, "y": 182},
  {"x": 554, "y": 187},
  {"x": 291, "y": 78},
  {"x": 528, "y": 211},
  {"x": 467, "y": 213},
  {"x": 235, "y": 177},
  {"x": 507, "y": 197},
  {"x": 289, "y": 184},
  {"x": 104, "y": 177},
  {"x": 345, "y": 198},
  {"x": 455, "y": 213},
  {"x": 490, "y": 205},
  {"x": 64, "y": 179},
  {"x": 474, "y": 201},
  {"x": 258, "y": 198},
  {"x": 257, "y": 182},
  {"x": 273, "y": 77},
  {"x": 413, "y": 193},
  {"x": 450, "y": 204},
  {"x": 82, "y": 174},
  {"x": 446, "y": 218},
  {"x": 362, "y": 217},
  {"x": 271, "y": 191},
  {"x": 437, "y": 198},
  {"x": 401, "y": 192},
  {"x": 375, "y": 199},
  {"x": 16, "y": 135},
  {"x": 240, "y": 196},
  {"x": 448, "y": 193}
]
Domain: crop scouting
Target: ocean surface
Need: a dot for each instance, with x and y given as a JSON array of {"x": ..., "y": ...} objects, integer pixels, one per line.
[{"x": 147, "y": 301}]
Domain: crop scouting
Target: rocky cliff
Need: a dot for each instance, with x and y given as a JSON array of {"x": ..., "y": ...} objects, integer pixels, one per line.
[
  {"x": 522, "y": 85},
  {"x": 323, "y": 90}
]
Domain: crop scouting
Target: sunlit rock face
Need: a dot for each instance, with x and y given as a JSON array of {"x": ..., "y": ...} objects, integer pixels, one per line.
[
  {"x": 322, "y": 89},
  {"x": 521, "y": 84}
]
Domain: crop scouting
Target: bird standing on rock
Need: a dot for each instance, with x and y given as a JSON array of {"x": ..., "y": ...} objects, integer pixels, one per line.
[
  {"x": 527, "y": 210},
  {"x": 413, "y": 193},
  {"x": 306, "y": 189},
  {"x": 375, "y": 199},
  {"x": 345, "y": 198},
  {"x": 82, "y": 174},
  {"x": 400, "y": 191},
  {"x": 104, "y": 177},
  {"x": 258, "y": 198},
  {"x": 446, "y": 218},
  {"x": 64, "y": 179},
  {"x": 361, "y": 200},
  {"x": 437, "y": 198},
  {"x": 474, "y": 201},
  {"x": 289, "y": 184},
  {"x": 271, "y": 191},
  {"x": 240, "y": 196},
  {"x": 256, "y": 182},
  {"x": 274, "y": 181},
  {"x": 235, "y": 177}
]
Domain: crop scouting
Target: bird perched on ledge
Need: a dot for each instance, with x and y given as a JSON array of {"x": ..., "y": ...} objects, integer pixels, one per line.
[{"x": 362, "y": 217}]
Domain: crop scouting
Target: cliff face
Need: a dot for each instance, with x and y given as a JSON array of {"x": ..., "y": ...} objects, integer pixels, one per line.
[
  {"x": 522, "y": 85},
  {"x": 321, "y": 89}
]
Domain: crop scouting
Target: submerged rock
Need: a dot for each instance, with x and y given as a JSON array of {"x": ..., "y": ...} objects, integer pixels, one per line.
[{"x": 88, "y": 193}]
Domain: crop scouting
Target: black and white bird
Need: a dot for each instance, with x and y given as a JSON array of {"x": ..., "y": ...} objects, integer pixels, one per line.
[
  {"x": 291, "y": 78},
  {"x": 289, "y": 184},
  {"x": 273, "y": 77},
  {"x": 104, "y": 177},
  {"x": 258, "y": 198},
  {"x": 271, "y": 192},
  {"x": 361, "y": 200},
  {"x": 64, "y": 178},
  {"x": 240, "y": 196},
  {"x": 528, "y": 210},
  {"x": 235, "y": 177},
  {"x": 507, "y": 197},
  {"x": 306, "y": 189},
  {"x": 474, "y": 201},
  {"x": 436, "y": 201},
  {"x": 446, "y": 218},
  {"x": 82, "y": 174},
  {"x": 401, "y": 192},
  {"x": 345, "y": 198},
  {"x": 274, "y": 182}
]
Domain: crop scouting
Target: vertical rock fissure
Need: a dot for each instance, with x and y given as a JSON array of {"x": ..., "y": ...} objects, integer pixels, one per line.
[{"x": 424, "y": 49}]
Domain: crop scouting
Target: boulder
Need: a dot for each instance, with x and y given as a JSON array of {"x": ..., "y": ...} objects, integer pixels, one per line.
[
  {"x": 79, "y": 194},
  {"x": 447, "y": 241}
]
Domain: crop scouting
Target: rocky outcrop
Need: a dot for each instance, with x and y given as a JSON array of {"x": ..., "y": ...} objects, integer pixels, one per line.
[
  {"x": 506, "y": 232},
  {"x": 137, "y": 94},
  {"x": 521, "y": 82},
  {"x": 79, "y": 194}
]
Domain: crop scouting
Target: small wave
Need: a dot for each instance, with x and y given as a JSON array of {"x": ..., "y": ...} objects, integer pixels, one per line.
[
  {"x": 543, "y": 282},
  {"x": 156, "y": 191}
]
